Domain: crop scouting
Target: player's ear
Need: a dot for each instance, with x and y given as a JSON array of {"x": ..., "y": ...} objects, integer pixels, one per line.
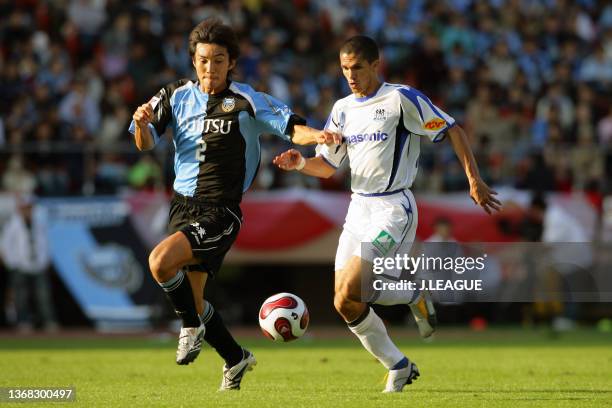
[
  {"x": 375, "y": 64},
  {"x": 232, "y": 64}
]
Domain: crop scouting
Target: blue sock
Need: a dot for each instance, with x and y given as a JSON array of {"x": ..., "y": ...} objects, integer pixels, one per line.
[{"x": 403, "y": 363}]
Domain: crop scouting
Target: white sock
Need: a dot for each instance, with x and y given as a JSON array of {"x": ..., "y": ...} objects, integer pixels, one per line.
[
  {"x": 372, "y": 333},
  {"x": 389, "y": 297}
]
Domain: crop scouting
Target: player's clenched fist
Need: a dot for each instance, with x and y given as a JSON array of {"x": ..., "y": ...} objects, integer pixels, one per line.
[
  {"x": 143, "y": 115},
  {"x": 328, "y": 137},
  {"x": 289, "y": 160}
]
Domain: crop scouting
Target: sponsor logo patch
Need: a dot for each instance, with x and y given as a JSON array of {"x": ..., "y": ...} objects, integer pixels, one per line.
[
  {"x": 435, "y": 124},
  {"x": 367, "y": 137},
  {"x": 384, "y": 242}
]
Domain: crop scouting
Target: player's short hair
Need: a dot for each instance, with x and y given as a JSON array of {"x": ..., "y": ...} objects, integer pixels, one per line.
[
  {"x": 362, "y": 46},
  {"x": 213, "y": 31}
]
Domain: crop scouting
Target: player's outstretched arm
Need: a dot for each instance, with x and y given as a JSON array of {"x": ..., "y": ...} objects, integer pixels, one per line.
[
  {"x": 305, "y": 135},
  {"x": 480, "y": 192},
  {"x": 142, "y": 135},
  {"x": 293, "y": 160}
]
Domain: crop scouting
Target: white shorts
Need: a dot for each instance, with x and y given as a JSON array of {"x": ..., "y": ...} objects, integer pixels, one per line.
[{"x": 388, "y": 222}]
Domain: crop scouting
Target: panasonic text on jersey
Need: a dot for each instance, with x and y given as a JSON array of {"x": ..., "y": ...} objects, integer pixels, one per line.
[{"x": 367, "y": 137}]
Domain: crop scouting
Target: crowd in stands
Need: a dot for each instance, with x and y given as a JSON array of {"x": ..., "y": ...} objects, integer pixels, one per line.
[{"x": 530, "y": 81}]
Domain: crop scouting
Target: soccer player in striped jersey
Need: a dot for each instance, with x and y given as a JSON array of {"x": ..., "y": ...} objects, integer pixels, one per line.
[
  {"x": 216, "y": 124},
  {"x": 379, "y": 128}
]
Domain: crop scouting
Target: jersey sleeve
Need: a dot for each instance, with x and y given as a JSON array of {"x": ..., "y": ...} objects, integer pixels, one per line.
[
  {"x": 422, "y": 117},
  {"x": 162, "y": 113},
  {"x": 332, "y": 154},
  {"x": 333, "y": 120},
  {"x": 275, "y": 117}
]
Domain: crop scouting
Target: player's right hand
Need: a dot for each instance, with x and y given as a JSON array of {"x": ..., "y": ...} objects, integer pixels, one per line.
[
  {"x": 288, "y": 160},
  {"x": 143, "y": 115},
  {"x": 328, "y": 137}
]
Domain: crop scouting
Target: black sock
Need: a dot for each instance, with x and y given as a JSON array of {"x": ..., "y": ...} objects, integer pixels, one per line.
[
  {"x": 219, "y": 337},
  {"x": 178, "y": 291}
]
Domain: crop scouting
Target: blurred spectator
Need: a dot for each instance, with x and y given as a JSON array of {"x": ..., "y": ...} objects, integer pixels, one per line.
[
  {"x": 78, "y": 108},
  {"x": 87, "y": 15},
  {"x": 16, "y": 178},
  {"x": 272, "y": 83},
  {"x": 597, "y": 68},
  {"x": 482, "y": 114},
  {"x": 443, "y": 231},
  {"x": 604, "y": 129},
  {"x": 556, "y": 98},
  {"x": 25, "y": 252},
  {"x": 113, "y": 125},
  {"x": 116, "y": 43},
  {"x": 501, "y": 64},
  {"x": 531, "y": 226},
  {"x": 587, "y": 161}
]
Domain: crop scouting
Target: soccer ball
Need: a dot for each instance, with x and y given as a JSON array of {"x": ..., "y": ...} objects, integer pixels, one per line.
[{"x": 283, "y": 317}]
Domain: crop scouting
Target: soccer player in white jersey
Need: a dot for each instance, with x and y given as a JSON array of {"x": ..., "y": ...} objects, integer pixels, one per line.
[{"x": 379, "y": 128}]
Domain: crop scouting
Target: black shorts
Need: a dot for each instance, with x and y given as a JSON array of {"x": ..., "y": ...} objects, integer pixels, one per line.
[{"x": 211, "y": 229}]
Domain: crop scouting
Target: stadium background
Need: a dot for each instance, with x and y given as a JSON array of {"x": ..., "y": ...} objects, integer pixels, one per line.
[{"x": 530, "y": 81}]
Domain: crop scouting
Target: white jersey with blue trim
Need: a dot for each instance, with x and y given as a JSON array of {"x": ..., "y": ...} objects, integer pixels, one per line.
[{"x": 381, "y": 137}]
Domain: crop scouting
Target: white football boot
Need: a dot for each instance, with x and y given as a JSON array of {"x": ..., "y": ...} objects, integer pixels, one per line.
[
  {"x": 398, "y": 379},
  {"x": 232, "y": 376},
  {"x": 190, "y": 344}
]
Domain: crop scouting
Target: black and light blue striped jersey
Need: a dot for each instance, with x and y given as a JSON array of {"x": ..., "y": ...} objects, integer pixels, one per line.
[{"x": 216, "y": 136}]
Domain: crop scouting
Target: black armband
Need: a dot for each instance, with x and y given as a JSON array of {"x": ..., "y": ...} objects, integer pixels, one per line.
[{"x": 294, "y": 120}]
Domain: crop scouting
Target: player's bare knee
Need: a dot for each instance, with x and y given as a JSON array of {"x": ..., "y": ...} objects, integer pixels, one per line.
[
  {"x": 342, "y": 306},
  {"x": 156, "y": 264},
  {"x": 343, "y": 303},
  {"x": 338, "y": 302}
]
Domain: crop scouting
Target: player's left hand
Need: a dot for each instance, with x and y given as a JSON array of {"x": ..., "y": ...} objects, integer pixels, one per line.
[
  {"x": 328, "y": 137},
  {"x": 483, "y": 195},
  {"x": 288, "y": 160}
]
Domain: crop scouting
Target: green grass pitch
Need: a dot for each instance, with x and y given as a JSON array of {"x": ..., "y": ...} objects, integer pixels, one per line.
[{"x": 502, "y": 368}]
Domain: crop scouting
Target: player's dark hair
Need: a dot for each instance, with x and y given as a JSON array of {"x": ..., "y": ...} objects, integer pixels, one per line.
[
  {"x": 362, "y": 46},
  {"x": 213, "y": 31}
]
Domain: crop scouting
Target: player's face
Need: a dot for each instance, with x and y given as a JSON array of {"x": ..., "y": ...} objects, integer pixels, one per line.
[
  {"x": 212, "y": 63},
  {"x": 359, "y": 73}
]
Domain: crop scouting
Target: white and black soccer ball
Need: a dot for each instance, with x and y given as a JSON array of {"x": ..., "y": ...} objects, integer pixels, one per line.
[{"x": 283, "y": 317}]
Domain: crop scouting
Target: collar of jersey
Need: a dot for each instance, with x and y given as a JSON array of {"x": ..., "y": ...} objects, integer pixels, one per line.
[
  {"x": 221, "y": 94},
  {"x": 373, "y": 94}
]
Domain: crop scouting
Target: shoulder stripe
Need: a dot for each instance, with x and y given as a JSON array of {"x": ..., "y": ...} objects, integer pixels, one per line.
[
  {"x": 415, "y": 96},
  {"x": 234, "y": 87},
  {"x": 180, "y": 88}
]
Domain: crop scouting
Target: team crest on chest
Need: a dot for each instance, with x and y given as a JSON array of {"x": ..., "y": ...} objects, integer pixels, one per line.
[
  {"x": 228, "y": 104},
  {"x": 380, "y": 115}
]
